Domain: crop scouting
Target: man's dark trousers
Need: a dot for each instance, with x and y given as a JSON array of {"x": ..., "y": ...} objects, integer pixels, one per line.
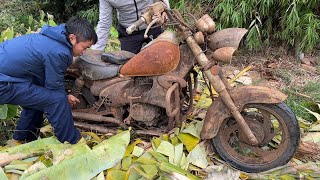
[{"x": 36, "y": 100}]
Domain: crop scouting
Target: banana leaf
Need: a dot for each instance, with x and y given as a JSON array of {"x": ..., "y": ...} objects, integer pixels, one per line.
[
  {"x": 198, "y": 156},
  {"x": 34, "y": 146},
  {"x": 170, "y": 168},
  {"x": 26, "y": 150},
  {"x": 166, "y": 148},
  {"x": 2, "y": 174},
  {"x": 86, "y": 166}
]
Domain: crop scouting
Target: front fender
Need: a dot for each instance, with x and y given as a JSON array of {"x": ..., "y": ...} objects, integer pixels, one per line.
[{"x": 241, "y": 96}]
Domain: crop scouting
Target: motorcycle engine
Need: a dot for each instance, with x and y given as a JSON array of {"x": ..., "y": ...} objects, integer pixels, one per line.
[{"x": 146, "y": 113}]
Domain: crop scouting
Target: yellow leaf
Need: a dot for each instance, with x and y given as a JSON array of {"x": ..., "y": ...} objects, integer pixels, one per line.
[
  {"x": 93, "y": 135},
  {"x": 131, "y": 147},
  {"x": 243, "y": 176},
  {"x": 240, "y": 74},
  {"x": 113, "y": 174},
  {"x": 155, "y": 142},
  {"x": 126, "y": 162},
  {"x": 287, "y": 177},
  {"x": 197, "y": 97},
  {"x": 165, "y": 137},
  {"x": 188, "y": 140},
  {"x": 174, "y": 140}
]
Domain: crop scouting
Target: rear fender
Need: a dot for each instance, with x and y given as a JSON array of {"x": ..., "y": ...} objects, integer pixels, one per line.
[{"x": 241, "y": 96}]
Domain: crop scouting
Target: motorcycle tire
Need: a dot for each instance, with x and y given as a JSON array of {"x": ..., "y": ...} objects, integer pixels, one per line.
[{"x": 276, "y": 129}]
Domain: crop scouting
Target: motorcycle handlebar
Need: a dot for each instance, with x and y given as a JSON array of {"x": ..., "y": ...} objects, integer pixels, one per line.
[{"x": 135, "y": 25}]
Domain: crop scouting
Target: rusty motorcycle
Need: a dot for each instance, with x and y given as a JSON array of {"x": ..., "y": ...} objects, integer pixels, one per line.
[{"x": 250, "y": 127}]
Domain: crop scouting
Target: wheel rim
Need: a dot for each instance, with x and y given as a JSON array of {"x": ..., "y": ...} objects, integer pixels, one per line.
[{"x": 270, "y": 130}]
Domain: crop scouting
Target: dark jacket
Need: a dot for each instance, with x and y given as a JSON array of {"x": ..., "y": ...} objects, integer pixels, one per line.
[{"x": 41, "y": 58}]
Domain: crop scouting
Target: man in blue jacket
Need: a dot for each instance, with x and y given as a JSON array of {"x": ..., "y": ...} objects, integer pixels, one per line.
[{"x": 32, "y": 73}]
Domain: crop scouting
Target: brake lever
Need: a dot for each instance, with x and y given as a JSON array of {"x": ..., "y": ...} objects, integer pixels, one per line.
[{"x": 149, "y": 26}]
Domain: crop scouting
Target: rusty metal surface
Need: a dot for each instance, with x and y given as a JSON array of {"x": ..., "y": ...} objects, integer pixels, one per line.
[
  {"x": 199, "y": 37},
  {"x": 215, "y": 70},
  {"x": 98, "y": 86},
  {"x": 229, "y": 37},
  {"x": 116, "y": 94},
  {"x": 159, "y": 58},
  {"x": 97, "y": 118},
  {"x": 94, "y": 128},
  {"x": 167, "y": 36},
  {"x": 167, "y": 81},
  {"x": 223, "y": 54},
  {"x": 186, "y": 63},
  {"x": 217, "y": 112},
  {"x": 234, "y": 141},
  {"x": 173, "y": 111},
  {"x": 146, "y": 113}
]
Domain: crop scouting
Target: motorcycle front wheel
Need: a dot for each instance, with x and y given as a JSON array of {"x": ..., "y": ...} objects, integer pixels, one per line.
[{"x": 278, "y": 133}]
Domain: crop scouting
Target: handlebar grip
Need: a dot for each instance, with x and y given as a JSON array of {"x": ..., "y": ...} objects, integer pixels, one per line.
[{"x": 135, "y": 25}]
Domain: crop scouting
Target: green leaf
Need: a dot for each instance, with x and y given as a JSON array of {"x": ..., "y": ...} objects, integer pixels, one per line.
[
  {"x": 194, "y": 128},
  {"x": 140, "y": 171},
  {"x": 198, "y": 157},
  {"x": 312, "y": 137},
  {"x": 144, "y": 160},
  {"x": 205, "y": 100},
  {"x": 155, "y": 142},
  {"x": 3, "y": 175},
  {"x": 151, "y": 170},
  {"x": 287, "y": 177},
  {"x": 114, "y": 174},
  {"x": 166, "y": 148},
  {"x": 159, "y": 157},
  {"x": 21, "y": 166},
  {"x": 316, "y": 115},
  {"x": 3, "y": 111},
  {"x": 315, "y": 128},
  {"x": 31, "y": 147},
  {"x": 184, "y": 162},
  {"x": 178, "y": 152},
  {"x": 131, "y": 147},
  {"x": 52, "y": 23},
  {"x": 126, "y": 162},
  {"x": 132, "y": 175},
  {"x": 62, "y": 152},
  {"x": 170, "y": 168},
  {"x": 137, "y": 151},
  {"x": 113, "y": 32},
  {"x": 30, "y": 20},
  {"x": 174, "y": 140},
  {"x": 86, "y": 166},
  {"x": 12, "y": 111},
  {"x": 42, "y": 15}
]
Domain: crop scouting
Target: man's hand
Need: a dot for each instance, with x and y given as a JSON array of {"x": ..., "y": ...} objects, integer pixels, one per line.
[{"x": 73, "y": 100}]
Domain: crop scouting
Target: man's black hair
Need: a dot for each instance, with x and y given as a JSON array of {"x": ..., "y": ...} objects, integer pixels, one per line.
[{"x": 82, "y": 28}]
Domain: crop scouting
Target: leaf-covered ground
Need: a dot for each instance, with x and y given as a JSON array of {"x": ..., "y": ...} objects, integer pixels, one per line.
[{"x": 180, "y": 154}]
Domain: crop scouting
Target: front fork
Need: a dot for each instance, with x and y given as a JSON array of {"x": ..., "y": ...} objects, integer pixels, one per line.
[{"x": 220, "y": 87}]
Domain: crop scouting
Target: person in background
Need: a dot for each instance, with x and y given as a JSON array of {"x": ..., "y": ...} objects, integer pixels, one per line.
[
  {"x": 128, "y": 11},
  {"x": 32, "y": 75}
]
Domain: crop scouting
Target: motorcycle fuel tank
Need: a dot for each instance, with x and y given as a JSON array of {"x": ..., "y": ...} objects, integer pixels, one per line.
[{"x": 159, "y": 57}]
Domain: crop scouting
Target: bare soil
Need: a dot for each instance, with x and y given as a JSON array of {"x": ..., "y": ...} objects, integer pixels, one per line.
[{"x": 276, "y": 70}]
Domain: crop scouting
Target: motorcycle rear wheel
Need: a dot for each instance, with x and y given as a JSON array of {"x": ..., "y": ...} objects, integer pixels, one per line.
[{"x": 276, "y": 129}]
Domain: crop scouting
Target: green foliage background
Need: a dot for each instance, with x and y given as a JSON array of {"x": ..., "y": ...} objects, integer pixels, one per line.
[
  {"x": 288, "y": 23},
  {"x": 291, "y": 23}
]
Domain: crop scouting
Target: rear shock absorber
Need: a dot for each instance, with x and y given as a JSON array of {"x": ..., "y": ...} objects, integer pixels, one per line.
[{"x": 78, "y": 85}]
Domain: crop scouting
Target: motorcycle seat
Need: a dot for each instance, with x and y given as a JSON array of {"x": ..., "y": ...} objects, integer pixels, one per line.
[
  {"x": 117, "y": 57},
  {"x": 93, "y": 68}
]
